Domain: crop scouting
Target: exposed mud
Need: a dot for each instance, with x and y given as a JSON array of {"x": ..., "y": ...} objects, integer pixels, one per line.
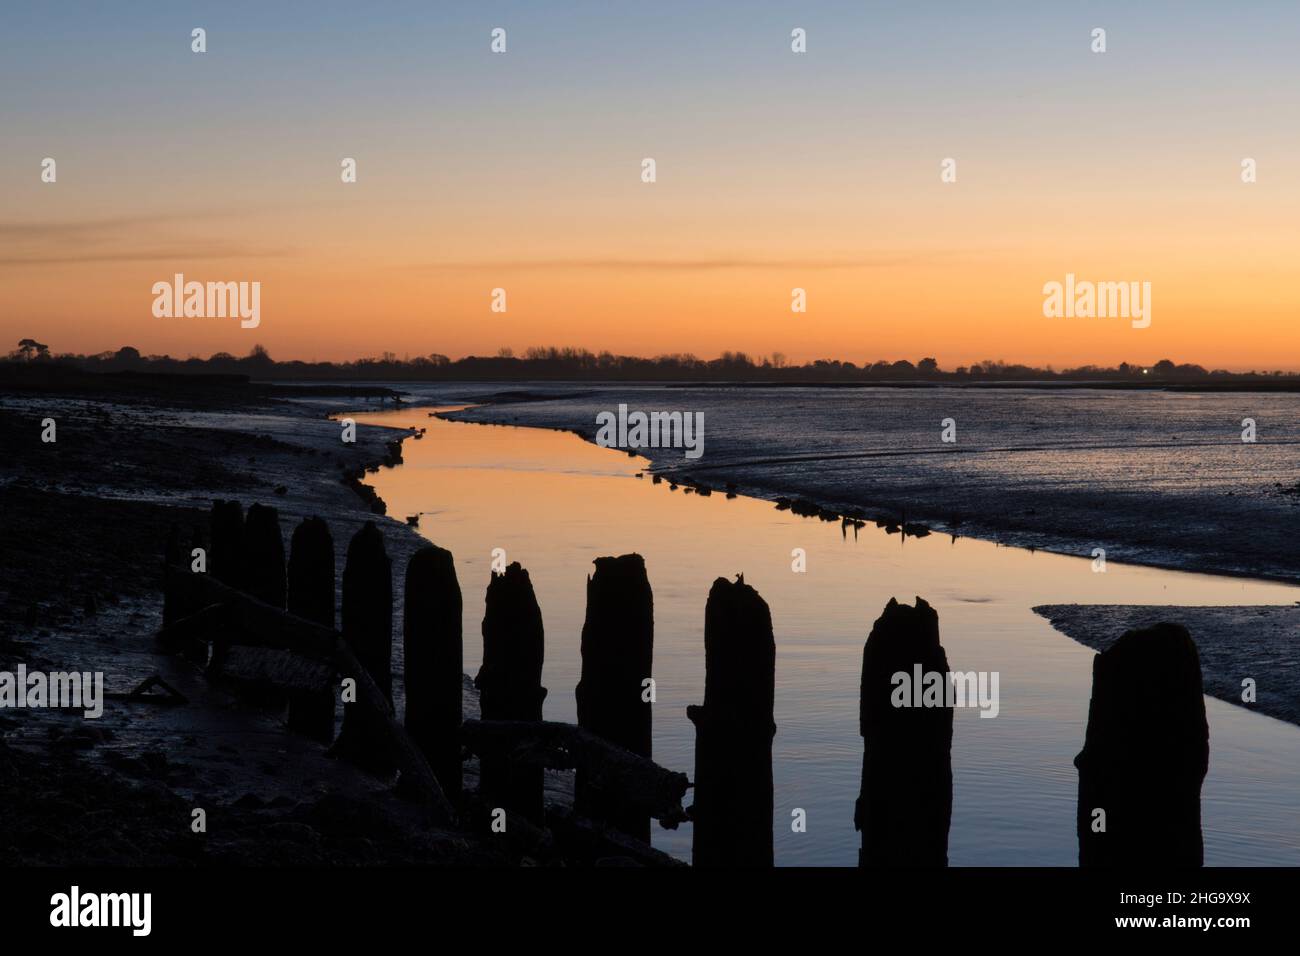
[
  {"x": 1234, "y": 643},
  {"x": 85, "y": 518}
]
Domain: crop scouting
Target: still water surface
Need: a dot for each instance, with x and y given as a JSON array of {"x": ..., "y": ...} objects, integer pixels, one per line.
[{"x": 555, "y": 502}]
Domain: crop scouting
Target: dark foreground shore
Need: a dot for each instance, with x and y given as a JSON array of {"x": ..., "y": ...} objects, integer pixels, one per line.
[
  {"x": 85, "y": 518},
  {"x": 90, "y": 512}
]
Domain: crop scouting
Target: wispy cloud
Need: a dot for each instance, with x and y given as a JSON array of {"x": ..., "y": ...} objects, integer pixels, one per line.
[
  {"x": 89, "y": 228},
  {"x": 145, "y": 238},
  {"x": 680, "y": 264},
  {"x": 180, "y": 251}
]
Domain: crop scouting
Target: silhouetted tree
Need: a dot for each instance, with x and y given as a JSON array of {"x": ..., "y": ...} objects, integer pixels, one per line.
[{"x": 30, "y": 350}]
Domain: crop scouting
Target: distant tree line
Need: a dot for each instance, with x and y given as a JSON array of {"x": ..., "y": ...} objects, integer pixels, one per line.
[{"x": 573, "y": 364}]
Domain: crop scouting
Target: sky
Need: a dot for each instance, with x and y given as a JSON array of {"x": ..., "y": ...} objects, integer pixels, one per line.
[{"x": 775, "y": 170}]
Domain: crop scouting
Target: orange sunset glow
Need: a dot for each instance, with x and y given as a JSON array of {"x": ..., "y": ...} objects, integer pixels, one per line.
[{"x": 773, "y": 173}]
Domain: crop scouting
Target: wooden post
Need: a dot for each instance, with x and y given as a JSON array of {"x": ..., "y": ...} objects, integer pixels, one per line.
[
  {"x": 261, "y": 570},
  {"x": 510, "y": 687},
  {"x": 311, "y": 597},
  {"x": 1145, "y": 753},
  {"x": 177, "y": 603},
  {"x": 617, "y": 655},
  {"x": 263, "y": 555},
  {"x": 434, "y": 657},
  {"x": 195, "y": 651},
  {"x": 905, "y": 806},
  {"x": 172, "y": 609},
  {"x": 368, "y": 632},
  {"x": 734, "y": 728},
  {"x": 226, "y": 533}
]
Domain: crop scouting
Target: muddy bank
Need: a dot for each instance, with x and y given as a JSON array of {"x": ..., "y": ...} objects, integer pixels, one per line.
[
  {"x": 1235, "y": 644},
  {"x": 1156, "y": 479},
  {"x": 86, "y": 517}
]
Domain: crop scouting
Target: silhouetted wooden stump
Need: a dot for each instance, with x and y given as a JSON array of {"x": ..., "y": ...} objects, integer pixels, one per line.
[
  {"x": 226, "y": 531},
  {"x": 195, "y": 651},
  {"x": 368, "y": 631},
  {"x": 434, "y": 663},
  {"x": 617, "y": 655},
  {"x": 311, "y": 597},
  {"x": 174, "y": 607},
  {"x": 1145, "y": 754},
  {"x": 510, "y": 687},
  {"x": 263, "y": 555},
  {"x": 734, "y": 728},
  {"x": 905, "y": 806},
  {"x": 262, "y": 572},
  {"x": 263, "y": 628},
  {"x": 178, "y": 602}
]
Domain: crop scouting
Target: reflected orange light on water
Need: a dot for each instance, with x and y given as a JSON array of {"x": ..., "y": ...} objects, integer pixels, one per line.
[{"x": 555, "y": 502}]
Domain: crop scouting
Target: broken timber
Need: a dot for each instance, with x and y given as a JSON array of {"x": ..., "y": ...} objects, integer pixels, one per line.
[
  {"x": 639, "y": 782},
  {"x": 260, "y": 625},
  {"x": 170, "y": 696}
]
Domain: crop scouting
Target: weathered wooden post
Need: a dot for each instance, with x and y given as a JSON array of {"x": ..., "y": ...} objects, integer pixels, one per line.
[
  {"x": 194, "y": 651},
  {"x": 510, "y": 686},
  {"x": 1145, "y": 753},
  {"x": 226, "y": 532},
  {"x": 368, "y": 631},
  {"x": 261, "y": 570},
  {"x": 178, "y": 603},
  {"x": 434, "y": 654},
  {"x": 311, "y": 597},
  {"x": 173, "y": 603},
  {"x": 612, "y": 694},
  {"x": 905, "y": 807},
  {"x": 734, "y": 728},
  {"x": 225, "y": 563},
  {"x": 263, "y": 555}
]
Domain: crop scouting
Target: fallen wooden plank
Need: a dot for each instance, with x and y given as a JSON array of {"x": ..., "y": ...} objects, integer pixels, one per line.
[
  {"x": 278, "y": 668},
  {"x": 188, "y": 635},
  {"x": 246, "y": 621},
  {"x": 635, "y": 781},
  {"x": 249, "y": 620},
  {"x": 170, "y": 696}
]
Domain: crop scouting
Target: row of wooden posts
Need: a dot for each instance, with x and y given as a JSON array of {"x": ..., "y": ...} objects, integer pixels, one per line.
[{"x": 1145, "y": 753}]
